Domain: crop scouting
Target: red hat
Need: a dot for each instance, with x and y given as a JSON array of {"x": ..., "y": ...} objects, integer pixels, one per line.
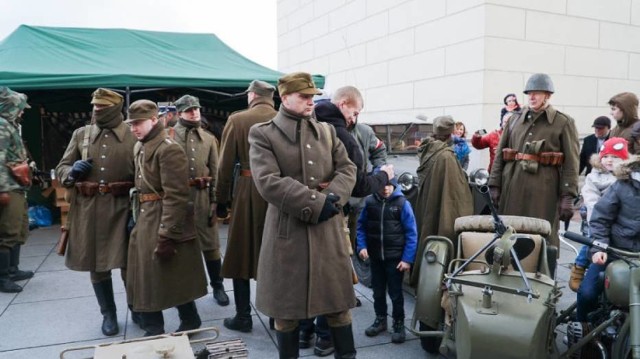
[{"x": 615, "y": 146}]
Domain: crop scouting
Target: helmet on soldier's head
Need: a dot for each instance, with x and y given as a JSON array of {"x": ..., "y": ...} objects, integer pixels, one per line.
[{"x": 539, "y": 82}]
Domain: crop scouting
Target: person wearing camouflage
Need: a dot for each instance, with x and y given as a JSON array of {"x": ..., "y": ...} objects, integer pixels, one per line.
[{"x": 13, "y": 202}]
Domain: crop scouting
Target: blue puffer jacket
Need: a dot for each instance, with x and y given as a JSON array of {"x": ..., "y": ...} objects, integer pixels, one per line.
[
  {"x": 387, "y": 228},
  {"x": 616, "y": 216}
]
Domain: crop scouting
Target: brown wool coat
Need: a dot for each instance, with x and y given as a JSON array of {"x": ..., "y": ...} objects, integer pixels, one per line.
[
  {"x": 304, "y": 267},
  {"x": 247, "y": 216},
  {"x": 154, "y": 284},
  {"x": 97, "y": 234},
  {"x": 202, "y": 153},
  {"x": 624, "y": 128},
  {"x": 537, "y": 195}
]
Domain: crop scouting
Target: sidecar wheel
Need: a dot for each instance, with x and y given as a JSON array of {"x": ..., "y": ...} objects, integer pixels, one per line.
[{"x": 429, "y": 344}]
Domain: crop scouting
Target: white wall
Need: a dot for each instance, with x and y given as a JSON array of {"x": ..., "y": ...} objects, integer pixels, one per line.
[{"x": 460, "y": 57}]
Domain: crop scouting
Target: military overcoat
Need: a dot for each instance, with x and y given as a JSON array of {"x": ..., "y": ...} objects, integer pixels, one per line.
[
  {"x": 537, "y": 194},
  {"x": 304, "y": 267},
  {"x": 154, "y": 284},
  {"x": 248, "y": 213},
  {"x": 201, "y": 149},
  {"x": 98, "y": 225}
]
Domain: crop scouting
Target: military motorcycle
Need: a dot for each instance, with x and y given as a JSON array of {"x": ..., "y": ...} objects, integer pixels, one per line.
[
  {"x": 492, "y": 293},
  {"x": 613, "y": 330}
]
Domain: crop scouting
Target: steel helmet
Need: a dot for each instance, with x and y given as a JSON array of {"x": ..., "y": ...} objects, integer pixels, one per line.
[{"x": 539, "y": 82}]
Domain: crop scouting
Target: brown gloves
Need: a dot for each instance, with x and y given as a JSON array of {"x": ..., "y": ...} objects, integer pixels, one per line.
[
  {"x": 5, "y": 198},
  {"x": 165, "y": 249},
  {"x": 565, "y": 208},
  {"x": 495, "y": 195}
]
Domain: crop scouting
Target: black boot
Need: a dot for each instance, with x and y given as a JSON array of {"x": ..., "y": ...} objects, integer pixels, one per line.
[
  {"x": 6, "y": 284},
  {"x": 288, "y": 344},
  {"x": 213, "y": 268},
  {"x": 242, "y": 320},
  {"x": 152, "y": 323},
  {"x": 189, "y": 317},
  {"x": 104, "y": 294},
  {"x": 343, "y": 342},
  {"x": 14, "y": 273},
  {"x": 136, "y": 317}
]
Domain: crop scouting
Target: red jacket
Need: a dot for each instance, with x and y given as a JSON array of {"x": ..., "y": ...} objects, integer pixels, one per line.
[{"x": 491, "y": 140}]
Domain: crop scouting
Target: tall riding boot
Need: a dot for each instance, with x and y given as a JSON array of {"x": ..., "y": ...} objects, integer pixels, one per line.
[
  {"x": 136, "y": 317},
  {"x": 104, "y": 294},
  {"x": 288, "y": 343},
  {"x": 242, "y": 320},
  {"x": 14, "y": 273},
  {"x": 6, "y": 284},
  {"x": 152, "y": 323},
  {"x": 213, "y": 268},
  {"x": 189, "y": 317},
  {"x": 343, "y": 342}
]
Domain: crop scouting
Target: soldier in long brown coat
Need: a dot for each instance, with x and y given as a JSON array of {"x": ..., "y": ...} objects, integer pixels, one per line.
[
  {"x": 165, "y": 265},
  {"x": 97, "y": 170},
  {"x": 302, "y": 170},
  {"x": 535, "y": 173},
  {"x": 247, "y": 218},
  {"x": 201, "y": 149}
]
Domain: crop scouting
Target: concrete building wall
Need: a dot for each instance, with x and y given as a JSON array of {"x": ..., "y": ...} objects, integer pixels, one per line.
[{"x": 460, "y": 57}]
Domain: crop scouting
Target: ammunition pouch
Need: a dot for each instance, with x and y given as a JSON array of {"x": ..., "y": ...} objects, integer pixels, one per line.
[
  {"x": 509, "y": 154},
  {"x": 20, "y": 172},
  {"x": 200, "y": 182}
]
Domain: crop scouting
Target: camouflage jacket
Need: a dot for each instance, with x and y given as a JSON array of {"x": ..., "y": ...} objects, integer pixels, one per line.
[{"x": 12, "y": 151}]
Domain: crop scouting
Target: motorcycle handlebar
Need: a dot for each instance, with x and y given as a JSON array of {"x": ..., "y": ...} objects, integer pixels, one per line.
[
  {"x": 590, "y": 242},
  {"x": 579, "y": 238}
]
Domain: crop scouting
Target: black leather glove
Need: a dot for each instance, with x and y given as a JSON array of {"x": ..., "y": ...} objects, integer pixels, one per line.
[
  {"x": 495, "y": 195},
  {"x": 165, "y": 249},
  {"x": 565, "y": 208},
  {"x": 222, "y": 211},
  {"x": 80, "y": 169},
  {"x": 330, "y": 208},
  {"x": 5, "y": 199}
]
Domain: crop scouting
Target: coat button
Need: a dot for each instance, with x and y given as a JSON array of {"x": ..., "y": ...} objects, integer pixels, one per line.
[
  {"x": 161, "y": 225},
  {"x": 104, "y": 146},
  {"x": 313, "y": 196},
  {"x": 142, "y": 210},
  {"x": 193, "y": 159},
  {"x": 103, "y": 156},
  {"x": 101, "y": 168},
  {"x": 312, "y": 178},
  {"x": 106, "y": 135},
  {"x": 310, "y": 162},
  {"x": 308, "y": 145}
]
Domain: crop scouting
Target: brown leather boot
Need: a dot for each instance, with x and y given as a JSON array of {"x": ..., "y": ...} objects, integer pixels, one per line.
[{"x": 577, "y": 274}]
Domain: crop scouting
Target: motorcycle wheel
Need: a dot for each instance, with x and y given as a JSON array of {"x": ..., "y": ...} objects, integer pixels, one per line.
[
  {"x": 430, "y": 344},
  {"x": 363, "y": 270}
]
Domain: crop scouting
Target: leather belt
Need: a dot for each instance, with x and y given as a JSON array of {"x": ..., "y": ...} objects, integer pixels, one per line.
[
  {"x": 149, "y": 197},
  {"x": 245, "y": 173},
  {"x": 200, "y": 182},
  {"x": 90, "y": 189},
  {"x": 527, "y": 157}
]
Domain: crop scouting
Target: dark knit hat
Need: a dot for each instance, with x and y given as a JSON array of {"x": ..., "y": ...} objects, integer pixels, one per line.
[{"x": 602, "y": 121}]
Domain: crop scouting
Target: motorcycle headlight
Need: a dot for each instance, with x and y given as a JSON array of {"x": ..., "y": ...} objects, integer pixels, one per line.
[
  {"x": 480, "y": 176},
  {"x": 406, "y": 181}
]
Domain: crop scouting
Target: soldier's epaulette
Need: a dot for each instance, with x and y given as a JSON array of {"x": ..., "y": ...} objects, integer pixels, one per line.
[
  {"x": 263, "y": 123},
  {"x": 238, "y": 111}
]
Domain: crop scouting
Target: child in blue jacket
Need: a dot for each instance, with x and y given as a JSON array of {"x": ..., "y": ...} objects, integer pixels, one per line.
[{"x": 387, "y": 234}]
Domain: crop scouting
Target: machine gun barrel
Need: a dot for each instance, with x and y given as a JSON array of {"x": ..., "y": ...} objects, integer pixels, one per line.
[{"x": 497, "y": 222}]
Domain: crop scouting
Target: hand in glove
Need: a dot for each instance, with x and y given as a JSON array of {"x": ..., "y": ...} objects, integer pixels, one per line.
[
  {"x": 5, "y": 198},
  {"x": 330, "y": 208},
  {"x": 80, "y": 169},
  {"x": 565, "y": 208},
  {"x": 212, "y": 214},
  {"x": 222, "y": 211},
  {"x": 165, "y": 249},
  {"x": 495, "y": 195}
]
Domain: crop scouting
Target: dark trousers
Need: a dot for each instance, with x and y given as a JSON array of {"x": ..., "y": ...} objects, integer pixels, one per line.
[
  {"x": 589, "y": 291},
  {"x": 385, "y": 276},
  {"x": 321, "y": 327}
]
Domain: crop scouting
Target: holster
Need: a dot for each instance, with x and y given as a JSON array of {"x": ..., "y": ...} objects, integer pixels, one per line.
[
  {"x": 61, "y": 246},
  {"x": 87, "y": 189},
  {"x": 20, "y": 172},
  {"x": 200, "y": 182},
  {"x": 509, "y": 154}
]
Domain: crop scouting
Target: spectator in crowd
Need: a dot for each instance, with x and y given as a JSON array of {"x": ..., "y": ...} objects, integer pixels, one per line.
[
  {"x": 624, "y": 109},
  {"x": 97, "y": 169},
  {"x": 592, "y": 143},
  {"x": 614, "y": 221},
  {"x": 481, "y": 140},
  {"x": 302, "y": 170},
  {"x": 247, "y": 221},
  {"x": 444, "y": 192},
  {"x": 168, "y": 115},
  {"x": 460, "y": 146},
  {"x": 537, "y": 159},
  {"x": 387, "y": 235},
  {"x": 614, "y": 151},
  {"x": 511, "y": 105}
]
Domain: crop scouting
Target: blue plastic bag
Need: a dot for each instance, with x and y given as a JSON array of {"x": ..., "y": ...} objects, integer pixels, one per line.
[{"x": 40, "y": 216}]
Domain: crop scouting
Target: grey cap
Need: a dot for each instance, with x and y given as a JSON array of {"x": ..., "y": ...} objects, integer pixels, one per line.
[
  {"x": 261, "y": 88},
  {"x": 539, "y": 82}
]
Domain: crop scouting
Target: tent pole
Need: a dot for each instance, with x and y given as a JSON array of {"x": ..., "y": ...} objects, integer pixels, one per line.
[{"x": 128, "y": 97}]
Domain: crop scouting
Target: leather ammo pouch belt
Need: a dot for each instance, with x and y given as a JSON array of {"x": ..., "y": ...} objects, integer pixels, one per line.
[
  {"x": 200, "y": 182},
  {"x": 543, "y": 158},
  {"x": 116, "y": 189}
]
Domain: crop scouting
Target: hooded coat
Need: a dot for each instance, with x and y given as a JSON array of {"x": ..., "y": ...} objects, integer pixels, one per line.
[
  {"x": 595, "y": 184},
  {"x": 629, "y": 125},
  {"x": 97, "y": 225},
  {"x": 537, "y": 194},
  {"x": 247, "y": 218},
  {"x": 444, "y": 195},
  {"x": 304, "y": 269}
]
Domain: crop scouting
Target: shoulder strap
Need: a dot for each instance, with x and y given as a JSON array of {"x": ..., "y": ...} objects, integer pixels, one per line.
[
  {"x": 85, "y": 142},
  {"x": 136, "y": 150}
]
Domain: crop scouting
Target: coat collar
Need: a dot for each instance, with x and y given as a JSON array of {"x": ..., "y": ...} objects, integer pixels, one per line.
[
  {"x": 288, "y": 124},
  {"x": 261, "y": 101},
  {"x": 181, "y": 130},
  {"x": 119, "y": 131},
  {"x": 550, "y": 111}
]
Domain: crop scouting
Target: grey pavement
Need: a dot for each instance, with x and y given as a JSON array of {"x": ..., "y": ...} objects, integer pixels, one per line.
[{"x": 57, "y": 310}]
